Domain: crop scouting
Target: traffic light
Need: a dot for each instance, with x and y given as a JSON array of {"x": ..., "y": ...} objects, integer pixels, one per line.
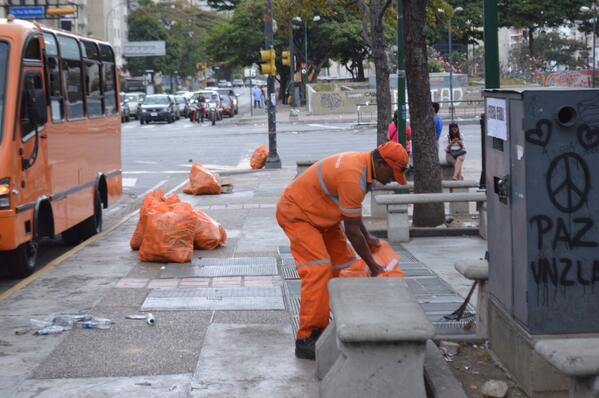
[
  {"x": 268, "y": 57},
  {"x": 286, "y": 58}
]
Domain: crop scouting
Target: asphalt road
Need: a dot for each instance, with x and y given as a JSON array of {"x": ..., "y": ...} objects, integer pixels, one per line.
[{"x": 159, "y": 155}]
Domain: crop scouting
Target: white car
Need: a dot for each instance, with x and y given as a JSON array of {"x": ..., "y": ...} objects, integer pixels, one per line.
[{"x": 134, "y": 100}]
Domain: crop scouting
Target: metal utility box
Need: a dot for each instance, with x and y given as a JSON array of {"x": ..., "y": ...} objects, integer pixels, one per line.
[{"x": 542, "y": 174}]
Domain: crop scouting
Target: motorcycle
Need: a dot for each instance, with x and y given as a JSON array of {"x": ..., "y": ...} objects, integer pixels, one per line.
[
  {"x": 212, "y": 112},
  {"x": 199, "y": 111}
]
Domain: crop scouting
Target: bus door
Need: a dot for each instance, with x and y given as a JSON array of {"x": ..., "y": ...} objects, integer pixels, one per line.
[{"x": 31, "y": 137}]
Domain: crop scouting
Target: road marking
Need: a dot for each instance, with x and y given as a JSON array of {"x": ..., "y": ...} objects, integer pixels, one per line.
[
  {"x": 327, "y": 126},
  {"x": 129, "y": 182},
  {"x": 244, "y": 162},
  {"x": 145, "y": 162},
  {"x": 161, "y": 183},
  {"x": 148, "y": 126},
  {"x": 57, "y": 261}
]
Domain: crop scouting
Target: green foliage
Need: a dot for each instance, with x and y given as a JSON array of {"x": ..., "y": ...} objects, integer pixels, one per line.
[
  {"x": 549, "y": 52},
  {"x": 181, "y": 27},
  {"x": 533, "y": 15}
]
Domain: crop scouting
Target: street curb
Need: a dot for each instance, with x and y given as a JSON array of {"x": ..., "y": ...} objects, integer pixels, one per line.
[
  {"x": 57, "y": 261},
  {"x": 463, "y": 122}
]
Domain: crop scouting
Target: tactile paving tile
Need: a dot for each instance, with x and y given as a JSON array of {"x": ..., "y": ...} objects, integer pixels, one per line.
[
  {"x": 232, "y": 298},
  {"x": 289, "y": 272},
  {"x": 207, "y": 271},
  {"x": 230, "y": 261}
]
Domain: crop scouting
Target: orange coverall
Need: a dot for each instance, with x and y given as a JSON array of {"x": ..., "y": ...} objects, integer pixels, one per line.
[{"x": 310, "y": 211}]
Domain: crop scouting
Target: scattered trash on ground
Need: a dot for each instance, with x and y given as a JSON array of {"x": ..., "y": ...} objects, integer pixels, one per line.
[
  {"x": 494, "y": 389},
  {"x": 384, "y": 255},
  {"x": 449, "y": 349},
  {"x": 58, "y": 323},
  {"x": 259, "y": 157},
  {"x": 149, "y": 318}
]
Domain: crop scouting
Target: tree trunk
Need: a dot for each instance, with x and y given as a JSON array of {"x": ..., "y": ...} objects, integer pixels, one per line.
[
  {"x": 383, "y": 93},
  {"x": 360, "y": 64},
  {"x": 427, "y": 172},
  {"x": 530, "y": 41},
  {"x": 283, "y": 82}
]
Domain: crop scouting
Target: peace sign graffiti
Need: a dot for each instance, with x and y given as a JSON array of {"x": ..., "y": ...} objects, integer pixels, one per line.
[{"x": 568, "y": 182}]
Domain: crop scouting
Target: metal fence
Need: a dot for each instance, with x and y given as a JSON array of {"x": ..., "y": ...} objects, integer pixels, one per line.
[{"x": 463, "y": 109}]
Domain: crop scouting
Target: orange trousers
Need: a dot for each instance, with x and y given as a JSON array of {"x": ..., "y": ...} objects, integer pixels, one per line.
[{"x": 319, "y": 255}]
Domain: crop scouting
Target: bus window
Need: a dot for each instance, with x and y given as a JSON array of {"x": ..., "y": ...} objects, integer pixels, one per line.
[
  {"x": 3, "y": 62},
  {"x": 54, "y": 86},
  {"x": 71, "y": 71},
  {"x": 93, "y": 88},
  {"x": 32, "y": 80},
  {"x": 32, "y": 51},
  {"x": 109, "y": 79}
]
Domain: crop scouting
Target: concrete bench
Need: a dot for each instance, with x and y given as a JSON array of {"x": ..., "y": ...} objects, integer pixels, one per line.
[
  {"x": 398, "y": 227},
  {"x": 478, "y": 271},
  {"x": 376, "y": 345},
  {"x": 578, "y": 358},
  {"x": 449, "y": 185}
]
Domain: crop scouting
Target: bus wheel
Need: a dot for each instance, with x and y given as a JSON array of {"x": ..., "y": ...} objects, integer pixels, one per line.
[
  {"x": 24, "y": 259},
  {"x": 92, "y": 225}
]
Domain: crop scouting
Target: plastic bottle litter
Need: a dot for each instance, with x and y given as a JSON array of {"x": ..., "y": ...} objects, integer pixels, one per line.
[
  {"x": 97, "y": 323},
  {"x": 52, "y": 329}
]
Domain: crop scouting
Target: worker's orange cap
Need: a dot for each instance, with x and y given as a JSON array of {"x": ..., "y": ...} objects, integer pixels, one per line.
[{"x": 396, "y": 157}]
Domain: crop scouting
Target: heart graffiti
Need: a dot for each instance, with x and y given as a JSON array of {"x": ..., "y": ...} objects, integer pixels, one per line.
[{"x": 541, "y": 134}]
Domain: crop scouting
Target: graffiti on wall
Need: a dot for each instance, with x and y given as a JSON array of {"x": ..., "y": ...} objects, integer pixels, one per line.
[
  {"x": 566, "y": 232},
  {"x": 570, "y": 78}
]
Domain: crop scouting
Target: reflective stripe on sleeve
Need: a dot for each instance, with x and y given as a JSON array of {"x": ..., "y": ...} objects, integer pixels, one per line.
[
  {"x": 351, "y": 211},
  {"x": 323, "y": 186}
]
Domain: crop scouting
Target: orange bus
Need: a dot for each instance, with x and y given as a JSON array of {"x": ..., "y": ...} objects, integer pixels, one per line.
[{"x": 60, "y": 138}]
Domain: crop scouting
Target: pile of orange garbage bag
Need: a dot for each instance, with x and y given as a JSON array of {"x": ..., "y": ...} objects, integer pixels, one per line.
[
  {"x": 383, "y": 255},
  {"x": 168, "y": 230},
  {"x": 201, "y": 181},
  {"x": 259, "y": 157}
]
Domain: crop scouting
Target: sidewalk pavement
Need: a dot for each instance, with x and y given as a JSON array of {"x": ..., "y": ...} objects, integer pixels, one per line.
[{"x": 223, "y": 323}]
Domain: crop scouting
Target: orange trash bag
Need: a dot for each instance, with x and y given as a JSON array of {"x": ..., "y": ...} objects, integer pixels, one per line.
[
  {"x": 383, "y": 255},
  {"x": 209, "y": 234},
  {"x": 150, "y": 199},
  {"x": 202, "y": 181},
  {"x": 259, "y": 157},
  {"x": 168, "y": 235}
]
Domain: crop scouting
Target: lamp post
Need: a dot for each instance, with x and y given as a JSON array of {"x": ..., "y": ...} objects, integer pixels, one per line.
[
  {"x": 316, "y": 18},
  {"x": 450, "y": 49},
  {"x": 593, "y": 9}
]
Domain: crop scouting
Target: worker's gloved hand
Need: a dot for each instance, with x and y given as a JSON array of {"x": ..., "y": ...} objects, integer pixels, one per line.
[
  {"x": 376, "y": 269},
  {"x": 373, "y": 241}
]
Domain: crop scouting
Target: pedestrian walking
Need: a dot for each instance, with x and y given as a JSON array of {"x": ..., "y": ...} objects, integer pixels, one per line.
[
  {"x": 455, "y": 151},
  {"x": 257, "y": 93},
  {"x": 438, "y": 122},
  {"x": 393, "y": 136},
  {"x": 310, "y": 212}
]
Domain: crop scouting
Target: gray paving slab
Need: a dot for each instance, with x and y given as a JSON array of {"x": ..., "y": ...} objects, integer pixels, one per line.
[
  {"x": 192, "y": 271},
  {"x": 163, "y": 386},
  {"x": 197, "y": 299},
  {"x": 233, "y": 261},
  {"x": 130, "y": 347},
  {"x": 255, "y": 317},
  {"x": 263, "y": 364},
  {"x": 124, "y": 297}
]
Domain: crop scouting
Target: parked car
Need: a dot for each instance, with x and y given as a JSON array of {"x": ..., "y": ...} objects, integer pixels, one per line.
[
  {"x": 228, "y": 105},
  {"x": 176, "y": 107},
  {"x": 125, "y": 113},
  {"x": 183, "y": 105},
  {"x": 211, "y": 82},
  {"x": 158, "y": 107},
  {"x": 234, "y": 97},
  {"x": 238, "y": 83},
  {"x": 134, "y": 100}
]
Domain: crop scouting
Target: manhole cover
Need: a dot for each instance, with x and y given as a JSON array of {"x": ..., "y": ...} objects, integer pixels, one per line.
[
  {"x": 187, "y": 271},
  {"x": 197, "y": 299}
]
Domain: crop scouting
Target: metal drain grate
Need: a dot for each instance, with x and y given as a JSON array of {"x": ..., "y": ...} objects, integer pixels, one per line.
[
  {"x": 289, "y": 272},
  {"x": 186, "y": 271},
  {"x": 231, "y": 261},
  {"x": 237, "y": 298},
  {"x": 284, "y": 250}
]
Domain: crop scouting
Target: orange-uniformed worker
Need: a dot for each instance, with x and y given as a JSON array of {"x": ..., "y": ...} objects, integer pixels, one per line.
[{"x": 310, "y": 211}]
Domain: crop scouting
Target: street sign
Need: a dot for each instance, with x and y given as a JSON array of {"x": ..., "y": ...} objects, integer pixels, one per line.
[
  {"x": 144, "y": 48},
  {"x": 27, "y": 12}
]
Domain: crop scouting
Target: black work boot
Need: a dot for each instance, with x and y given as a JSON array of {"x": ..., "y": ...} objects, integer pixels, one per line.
[
  {"x": 316, "y": 333},
  {"x": 305, "y": 348}
]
